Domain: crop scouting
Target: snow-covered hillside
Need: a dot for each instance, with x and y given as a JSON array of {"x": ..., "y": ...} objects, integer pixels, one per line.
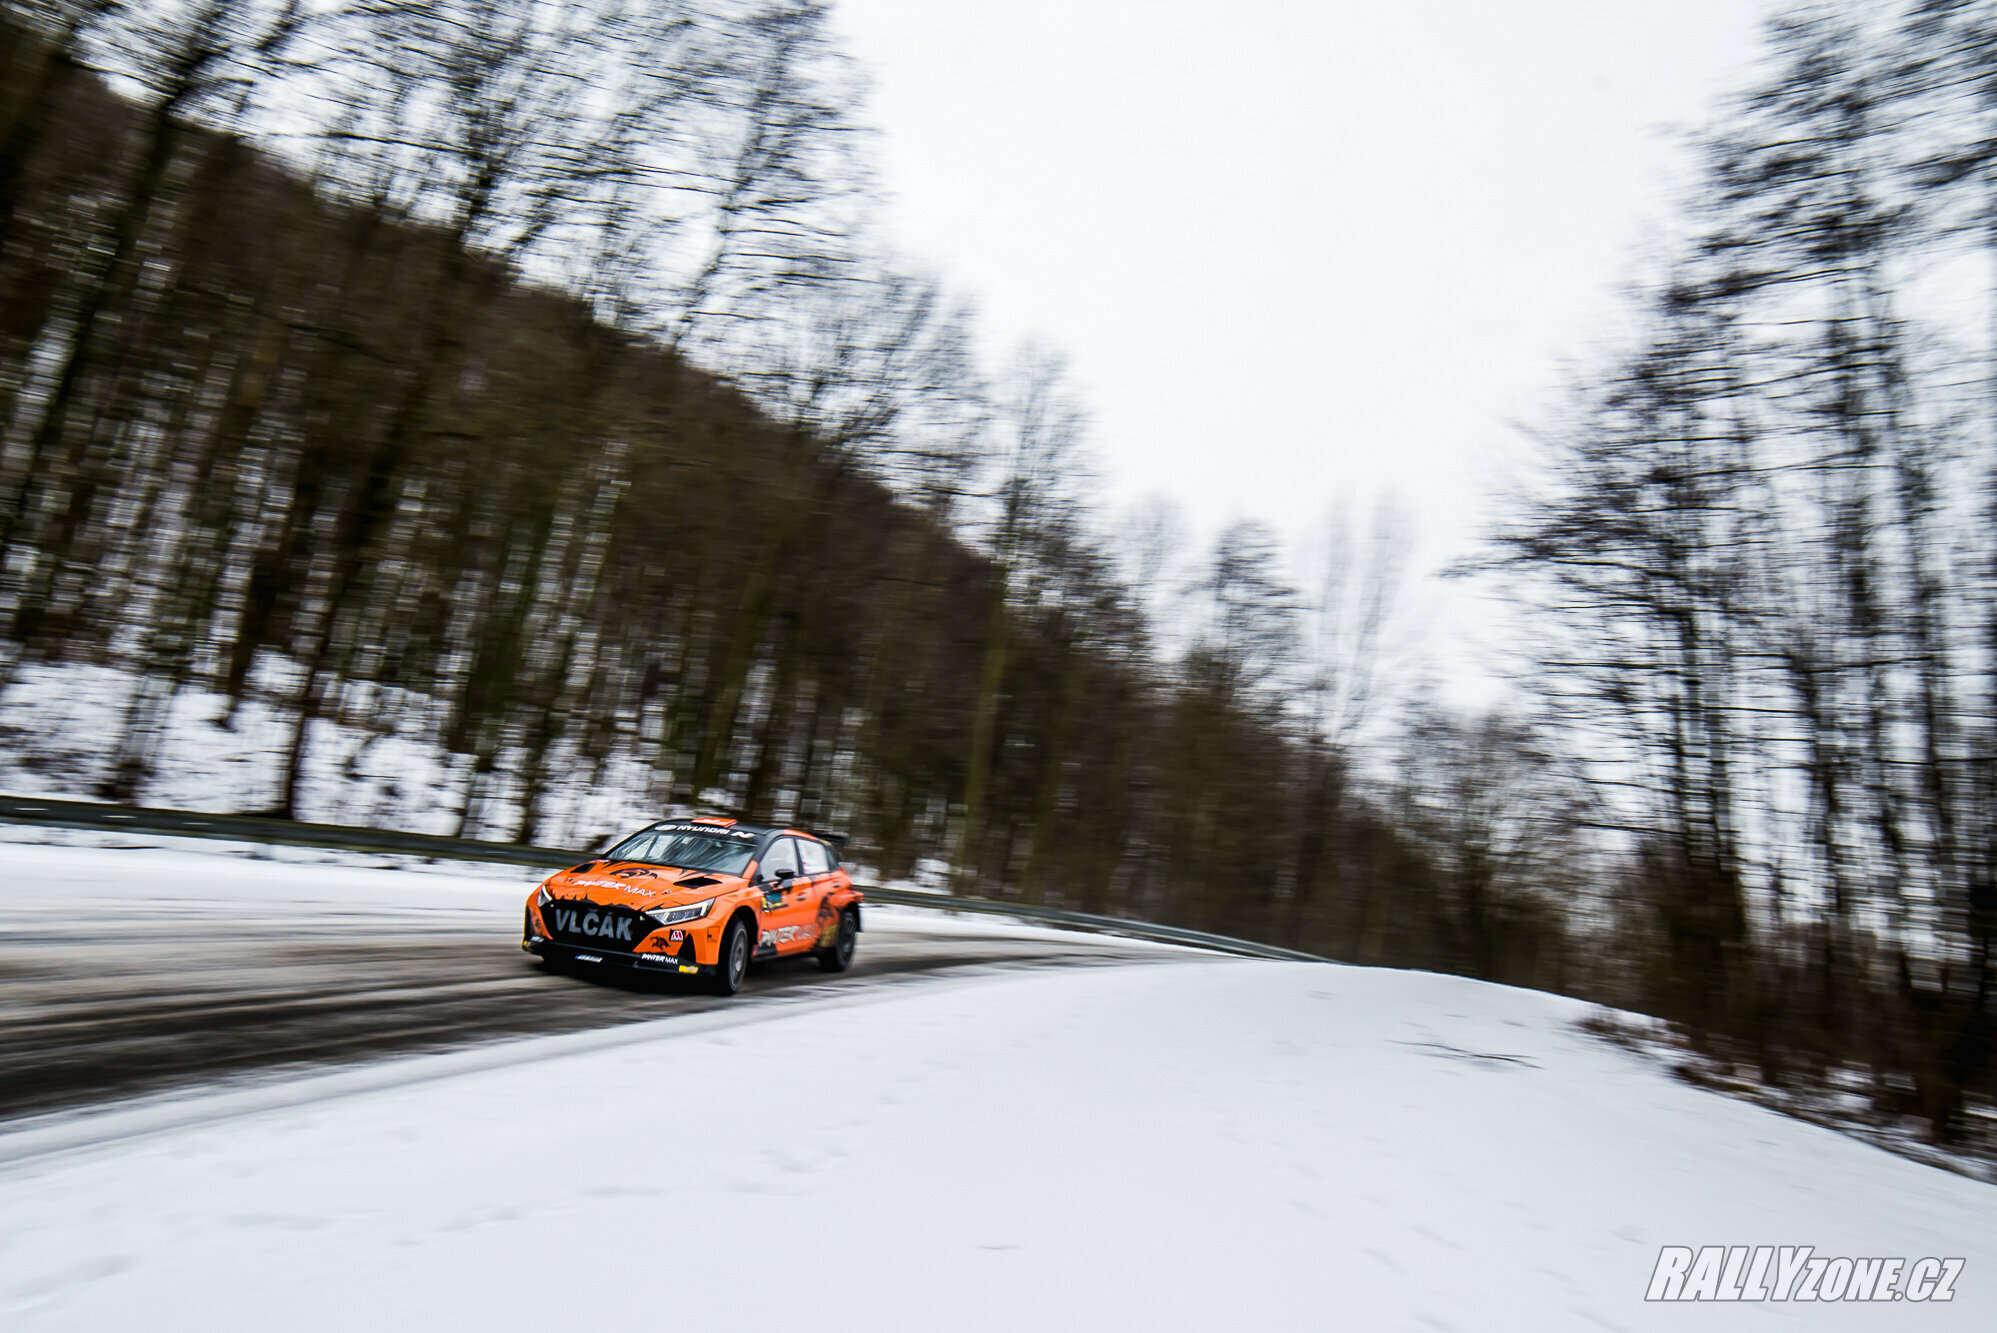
[
  {"x": 60, "y": 724},
  {"x": 1186, "y": 1145}
]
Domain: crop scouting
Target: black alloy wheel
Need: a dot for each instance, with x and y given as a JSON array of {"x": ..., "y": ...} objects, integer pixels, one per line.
[
  {"x": 840, "y": 956},
  {"x": 733, "y": 964}
]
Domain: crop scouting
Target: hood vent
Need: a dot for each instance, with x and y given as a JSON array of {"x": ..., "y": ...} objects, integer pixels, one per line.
[{"x": 697, "y": 882}]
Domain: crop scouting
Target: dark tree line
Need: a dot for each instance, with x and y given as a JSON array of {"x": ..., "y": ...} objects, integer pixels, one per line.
[{"x": 523, "y": 374}]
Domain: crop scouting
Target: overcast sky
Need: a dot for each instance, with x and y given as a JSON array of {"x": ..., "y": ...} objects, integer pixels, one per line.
[{"x": 1295, "y": 250}]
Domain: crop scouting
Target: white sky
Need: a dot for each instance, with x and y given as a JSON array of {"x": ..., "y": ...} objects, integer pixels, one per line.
[{"x": 1295, "y": 250}]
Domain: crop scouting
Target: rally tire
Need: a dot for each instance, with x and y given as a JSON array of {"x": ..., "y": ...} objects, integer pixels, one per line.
[
  {"x": 839, "y": 956},
  {"x": 732, "y": 963}
]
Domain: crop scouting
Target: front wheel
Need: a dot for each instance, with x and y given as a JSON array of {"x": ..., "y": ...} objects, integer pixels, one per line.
[
  {"x": 839, "y": 956},
  {"x": 733, "y": 963}
]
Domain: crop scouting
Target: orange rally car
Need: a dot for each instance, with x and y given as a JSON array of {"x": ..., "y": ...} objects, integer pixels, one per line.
[{"x": 700, "y": 897}]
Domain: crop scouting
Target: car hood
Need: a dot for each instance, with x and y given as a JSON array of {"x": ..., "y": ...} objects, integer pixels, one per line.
[{"x": 629, "y": 884}]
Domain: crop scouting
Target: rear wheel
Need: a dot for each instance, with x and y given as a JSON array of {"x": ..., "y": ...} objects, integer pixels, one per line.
[
  {"x": 839, "y": 956},
  {"x": 733, "y": 963}
]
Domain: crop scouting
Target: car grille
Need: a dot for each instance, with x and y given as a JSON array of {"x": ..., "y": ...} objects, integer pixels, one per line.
[{"x": 587, "y": 925}]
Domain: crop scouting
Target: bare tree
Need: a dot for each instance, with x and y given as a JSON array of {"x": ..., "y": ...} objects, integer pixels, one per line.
[
  {"x": 1026, "y": 509},
  {"x": 182, "y": 67}
]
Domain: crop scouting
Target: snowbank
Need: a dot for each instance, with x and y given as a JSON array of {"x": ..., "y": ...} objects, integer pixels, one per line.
[
  {"x": 1243, "y": 1145},
  {"x": 184, "y": 877},
  {"x": 382, "y": 768}
]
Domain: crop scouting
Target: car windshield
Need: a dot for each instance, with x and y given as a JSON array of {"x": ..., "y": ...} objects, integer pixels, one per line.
[{"x": 686, "y": 850}]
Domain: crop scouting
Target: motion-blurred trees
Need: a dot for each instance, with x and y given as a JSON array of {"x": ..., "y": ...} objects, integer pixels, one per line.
[
  {"x": 1766, "y": 532},
  {"x": 395, "y": 416}
]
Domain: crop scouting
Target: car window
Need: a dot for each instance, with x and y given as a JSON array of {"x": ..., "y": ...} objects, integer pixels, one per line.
[
  {"x": 684, "y": 850},
  {"x": 817, "y": 860},
  {"x": 783, "y": 856}
]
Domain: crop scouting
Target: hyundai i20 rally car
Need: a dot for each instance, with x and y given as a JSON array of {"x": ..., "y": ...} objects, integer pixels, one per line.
[{"x": 699, "y": 898}]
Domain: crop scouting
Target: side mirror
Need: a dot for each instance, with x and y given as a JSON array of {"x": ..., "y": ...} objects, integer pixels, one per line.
[{"x": 786, "y": 874}]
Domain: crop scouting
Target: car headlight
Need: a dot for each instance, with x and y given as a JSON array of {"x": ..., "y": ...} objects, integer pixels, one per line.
[
  {"x": 542, "y": 897},
  {"x": 675, "y": 916}
]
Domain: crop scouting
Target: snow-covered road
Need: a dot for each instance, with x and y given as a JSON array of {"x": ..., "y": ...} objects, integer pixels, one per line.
[
  {"x": 132, "y": 969},
  {"x": 1196, "y": 1144}
]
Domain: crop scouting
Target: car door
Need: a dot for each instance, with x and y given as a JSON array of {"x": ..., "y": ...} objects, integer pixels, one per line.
[
  {"x": 788, "y": 907},
  {"x": 823, "y": 872}
]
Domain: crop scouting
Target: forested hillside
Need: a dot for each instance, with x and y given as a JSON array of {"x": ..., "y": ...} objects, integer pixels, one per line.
[{"x": 296, "y": 436}]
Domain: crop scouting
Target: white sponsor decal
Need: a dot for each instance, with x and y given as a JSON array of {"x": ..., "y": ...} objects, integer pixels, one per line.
[
  {"x": 747, "y": 835},
  {"x": 1795, "y": 1273},
  {"x": 592, "y": 923}
]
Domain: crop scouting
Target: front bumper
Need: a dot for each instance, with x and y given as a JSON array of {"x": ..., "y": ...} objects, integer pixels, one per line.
[{"x": 657, "y": 964}]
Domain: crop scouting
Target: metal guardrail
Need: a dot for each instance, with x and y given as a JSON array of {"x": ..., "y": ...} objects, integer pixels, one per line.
[
  {"x": 103, "y": 818},
  {"x": 99, "y": 817},
  {"x": 1116, "y": 925}
]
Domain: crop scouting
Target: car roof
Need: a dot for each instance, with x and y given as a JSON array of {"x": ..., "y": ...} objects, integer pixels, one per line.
[{"x": 738, "y": 826}]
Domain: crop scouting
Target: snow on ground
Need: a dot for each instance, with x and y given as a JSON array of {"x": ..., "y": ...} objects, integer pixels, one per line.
[
  {"x": 184, "y": 876},
  {"x": 1240, "y": 1145},
  {"x": 380, "y": 768},
  {"x": 187, "y": 877}
]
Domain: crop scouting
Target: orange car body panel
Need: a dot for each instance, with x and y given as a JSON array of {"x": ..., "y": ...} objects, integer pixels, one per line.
[{"x": 792, "y": 916}]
